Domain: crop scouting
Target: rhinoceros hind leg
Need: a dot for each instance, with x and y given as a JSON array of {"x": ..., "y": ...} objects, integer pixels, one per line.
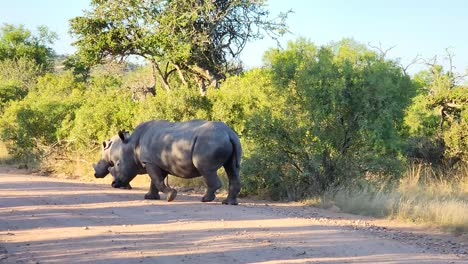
[
  {"x": 127, "y": 187},
  {"x": 152, "y": 196},
  {"x": 153, "y": 192},
  {"x": 232, "y": 172},
  {"x": 230, "y": 201},
  {"x": 212, "y": 185},
  {"x": 171, "y": 195},
  {"x": 208, "y": 197}
]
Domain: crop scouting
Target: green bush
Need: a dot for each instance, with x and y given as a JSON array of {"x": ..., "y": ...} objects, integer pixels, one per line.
[
  {"x": 335, "y": 115},
  {"x": 439, "y": 114},
  {"x": 10, "y": 92},
  {"x": 17, "y": 77},
  {"x": 27, "y": 126},
  {"x": 100, "y": 116},
  {"x": 177, "y": 105}
]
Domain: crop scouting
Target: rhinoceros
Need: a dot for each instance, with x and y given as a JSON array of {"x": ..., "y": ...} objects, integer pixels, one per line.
[
  {"x": 109, "y": 156},
  {"x": 184, "y": 149}
]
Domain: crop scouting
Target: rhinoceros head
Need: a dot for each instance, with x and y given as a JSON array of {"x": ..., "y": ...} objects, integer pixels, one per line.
[
  {"x": 124, "y": 170},
  {"x": 101, "y": 169}
]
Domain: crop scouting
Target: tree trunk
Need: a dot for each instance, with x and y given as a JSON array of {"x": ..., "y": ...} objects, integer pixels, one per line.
[
  {"x": 208, "y": 75},
  {"x": 202, "y": 86},
  {"x": 163, "y": 78},
  {"x": 181, "y": 74}
]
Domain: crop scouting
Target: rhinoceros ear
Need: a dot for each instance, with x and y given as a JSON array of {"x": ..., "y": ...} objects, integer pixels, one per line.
[
  {"x": 106, "y": 144},
  {"x": 124, "y": 135}
]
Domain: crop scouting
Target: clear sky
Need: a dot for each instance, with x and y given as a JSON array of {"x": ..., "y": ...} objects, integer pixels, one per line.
[{"x": 414, "y": 27}]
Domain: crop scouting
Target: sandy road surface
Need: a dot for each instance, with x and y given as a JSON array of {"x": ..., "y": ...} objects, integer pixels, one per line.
[{"x": 50, "y": 220}]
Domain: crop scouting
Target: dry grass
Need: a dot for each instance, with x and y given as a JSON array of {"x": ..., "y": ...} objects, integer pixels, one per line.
[
  {"x": 431, "y": 196},
  {"x": 423, "y": 195}
]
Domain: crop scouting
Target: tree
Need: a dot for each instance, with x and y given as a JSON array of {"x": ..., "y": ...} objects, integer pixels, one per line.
[
  {"x": 438, "y": 117},
  {"x": 17, "y": 77},
  {"x": 23, "y": 57},
  {"x": 337, "y": 115},
  {"x": 26, "y": 126},
  {"x": 80, "y": 69},
  {"x": 200, "y": 40},
  {"x": 17, "y": 42}
]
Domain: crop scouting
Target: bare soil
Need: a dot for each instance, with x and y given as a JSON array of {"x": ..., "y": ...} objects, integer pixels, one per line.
[{"x": 54, "y": 220}]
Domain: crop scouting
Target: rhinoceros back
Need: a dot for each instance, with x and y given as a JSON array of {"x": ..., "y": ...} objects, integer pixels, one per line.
[{"x": 185, "y": 149}]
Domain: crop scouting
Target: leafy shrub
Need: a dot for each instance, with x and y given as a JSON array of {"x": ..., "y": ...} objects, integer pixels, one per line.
[
  {"x": 177, "y": 105},
  {"x": 336, "y": 114},
  {"x": 440, "y": 114},
  {"x": 100, "y": 116},
  {"x": 36, "y": 121},
  {"x": 17, "y": 77}
]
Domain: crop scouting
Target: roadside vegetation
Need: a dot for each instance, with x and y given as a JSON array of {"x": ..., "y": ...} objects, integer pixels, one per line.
[
  {"x": 423, "y": 194},
  {"x": 339, "y": 124}
]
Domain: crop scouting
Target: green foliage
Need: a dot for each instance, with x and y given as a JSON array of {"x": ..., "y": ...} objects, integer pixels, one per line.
[
  {"x": 337, "y": 115},
  {"x": 17, "y": 42},
  {"x": 104, "y": 109},
  {"x": 240, "y": 97},
  {"x": 33, "y": 123},
  {"x": 100, "y": 116},
  {"x": 200, "y": 40},
  {"x": 421, "y": 118},
  {"x": 439, "y": 114},
  {"x": 22, "y": 72},
  {"x": 238, "y": 102},
  {"x": 80, "y": 69},
  {"x": 23, "y": 57},
  {"x": 10, "y": 92},
  {"x": 178, "y": 105}
]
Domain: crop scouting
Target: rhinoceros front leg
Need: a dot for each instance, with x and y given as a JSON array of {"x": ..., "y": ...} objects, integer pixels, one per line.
[
  {"x": 157, "y": 179},
  {"x": 127, "y": 187},
  {"x": 153, "y": 193}
]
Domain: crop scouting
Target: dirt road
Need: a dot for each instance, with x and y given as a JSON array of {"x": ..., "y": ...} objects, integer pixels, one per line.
[{"x": 51, "y": 220}]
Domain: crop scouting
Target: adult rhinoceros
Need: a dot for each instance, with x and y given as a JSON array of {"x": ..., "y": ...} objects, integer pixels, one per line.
[
  {"x": 110, "y": 156},
  {"x": 183, "y": 149}
]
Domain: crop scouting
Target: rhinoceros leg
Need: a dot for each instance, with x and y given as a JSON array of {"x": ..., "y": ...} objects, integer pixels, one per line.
[
  {"x": 153, "y": 193},
  {"x": 234, "y": 184},
  {"x": 212, "y": 185},
  {"x": 127, "y": 187},
  {"x": 157, "y": 178}
]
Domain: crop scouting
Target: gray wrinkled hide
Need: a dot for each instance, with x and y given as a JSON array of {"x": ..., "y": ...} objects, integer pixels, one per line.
[
  {"x": 183, "y": 149},
  {"x": 109, "y": 156}
]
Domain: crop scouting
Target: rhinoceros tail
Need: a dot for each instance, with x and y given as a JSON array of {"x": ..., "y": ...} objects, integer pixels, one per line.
[{"x": 237, "y": 149}]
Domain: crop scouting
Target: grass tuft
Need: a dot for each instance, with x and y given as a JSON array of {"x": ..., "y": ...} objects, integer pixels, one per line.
[{"x": 423, "y": 195}]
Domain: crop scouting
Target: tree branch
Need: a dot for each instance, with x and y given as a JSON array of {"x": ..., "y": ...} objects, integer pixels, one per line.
[{"x": 382, "y": 52}]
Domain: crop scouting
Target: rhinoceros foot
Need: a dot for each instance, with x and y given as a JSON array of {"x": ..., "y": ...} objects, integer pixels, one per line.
[
  {"x": 208, "y": 198},
  {"x": 230, "y": 201},
  {"x": 171, "y": 195},
  {"x": 127, "y": 187},
  {"x": 152, "y": 196}
]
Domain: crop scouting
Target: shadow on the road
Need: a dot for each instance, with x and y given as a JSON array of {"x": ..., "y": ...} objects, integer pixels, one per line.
[{"x": 205, "y": 246}]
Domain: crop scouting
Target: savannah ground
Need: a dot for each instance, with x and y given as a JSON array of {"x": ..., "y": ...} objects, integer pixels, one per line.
[{"x": 56, "y": 220}]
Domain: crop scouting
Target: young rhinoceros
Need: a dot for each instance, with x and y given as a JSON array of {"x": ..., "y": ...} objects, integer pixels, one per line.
[{"x": 109, "y": 157}]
